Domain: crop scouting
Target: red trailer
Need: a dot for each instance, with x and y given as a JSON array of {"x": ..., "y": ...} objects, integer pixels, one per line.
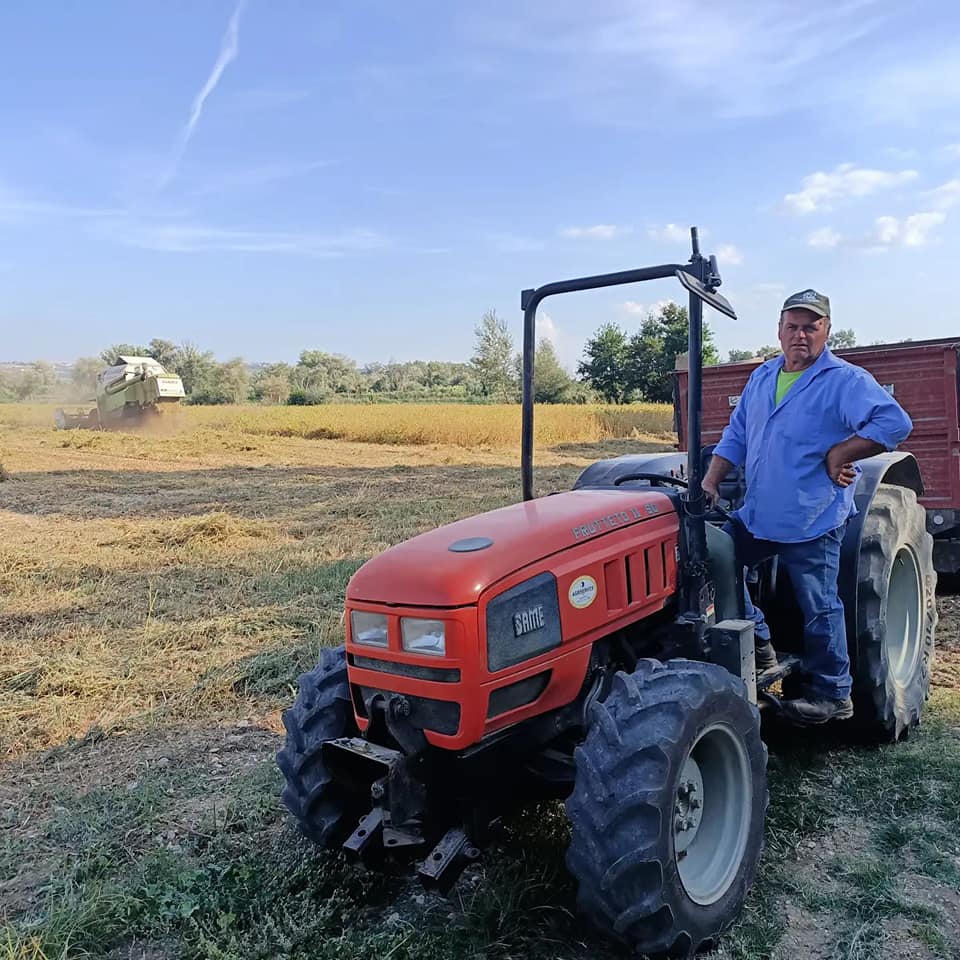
[{"x": 924, "y": 376}]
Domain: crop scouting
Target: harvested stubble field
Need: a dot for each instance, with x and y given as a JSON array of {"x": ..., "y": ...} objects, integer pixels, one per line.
[{"x": 160, "y": 592}]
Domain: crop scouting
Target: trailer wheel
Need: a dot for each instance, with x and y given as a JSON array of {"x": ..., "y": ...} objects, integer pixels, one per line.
[
  {"x": 668, "y": 808},
  {"x": 896, "y": 616},
  {"x": 321, "y": 712}
]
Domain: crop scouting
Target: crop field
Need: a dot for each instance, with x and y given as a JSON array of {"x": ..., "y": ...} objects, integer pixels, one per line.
[{"x": 161, "y": 590}]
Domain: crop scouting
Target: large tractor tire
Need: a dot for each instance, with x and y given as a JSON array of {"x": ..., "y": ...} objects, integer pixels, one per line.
[
  {"x": 321, "y": 712},
  {"x": 896, "y": 616},
  {"x": 668, "y": 809}
]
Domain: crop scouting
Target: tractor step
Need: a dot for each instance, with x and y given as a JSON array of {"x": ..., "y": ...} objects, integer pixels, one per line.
[{"x": 786, "y": 664}]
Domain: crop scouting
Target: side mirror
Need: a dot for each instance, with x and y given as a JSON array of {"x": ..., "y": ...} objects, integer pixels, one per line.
[{"x": 710, "y": 297}]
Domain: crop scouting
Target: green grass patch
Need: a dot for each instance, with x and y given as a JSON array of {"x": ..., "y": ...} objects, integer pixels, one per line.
[{"x": 241, "y": 884}]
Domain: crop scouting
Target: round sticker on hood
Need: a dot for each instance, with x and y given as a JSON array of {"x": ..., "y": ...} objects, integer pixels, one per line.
[{"x": 582, "y": 592}]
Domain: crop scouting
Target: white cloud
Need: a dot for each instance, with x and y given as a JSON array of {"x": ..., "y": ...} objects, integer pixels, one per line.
[
  {"x": 762, "y": 50},
  {"x": 672, "y": 233},
  {"x": 199, "y": 238},
  {"x": 727, "y": 253},
  {"x": 887, "y": 233},
  {"x": 599, "y": 231},
  {"x": 229, "y": 47},
  {"x": 17, "y": 206},
  {"x": 636, "y": 309},
  {"x": 946, "y": 195},
  {"x": 825, "y": 237},
  {"x": 912, "y": 231},
  {"x": 820, "y": 188}
]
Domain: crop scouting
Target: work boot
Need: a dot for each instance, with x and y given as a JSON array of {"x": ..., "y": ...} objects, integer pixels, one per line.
[
  {"x": 765, "y": 657},
  {"x": 815, "y": 709}
]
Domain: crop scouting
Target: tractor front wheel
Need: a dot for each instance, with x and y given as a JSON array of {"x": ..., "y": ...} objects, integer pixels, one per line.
[
  {"x": 668, "y": 809},
  {"x": 324, "y": 811}
]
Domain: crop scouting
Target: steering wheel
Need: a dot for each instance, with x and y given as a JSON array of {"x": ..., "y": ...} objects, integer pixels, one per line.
[
  {"x": 656, "y": 479},
  {"x": 659, "y": 479}
]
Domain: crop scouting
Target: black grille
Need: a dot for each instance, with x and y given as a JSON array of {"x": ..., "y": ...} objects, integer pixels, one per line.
[
  {"x": 523, "y": 622},
  {"x": 437, "y": 674},
  {"x": 517, "y": 694},
  {"x": 441, "y": 716}
]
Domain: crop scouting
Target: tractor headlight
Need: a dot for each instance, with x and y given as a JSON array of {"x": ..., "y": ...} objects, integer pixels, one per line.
[
  {"x": 368, "y": 628},
  {"x": 423, "y": 636}
]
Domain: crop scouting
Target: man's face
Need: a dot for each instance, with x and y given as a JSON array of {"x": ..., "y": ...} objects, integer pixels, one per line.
[{"x": 802, "y": 336}]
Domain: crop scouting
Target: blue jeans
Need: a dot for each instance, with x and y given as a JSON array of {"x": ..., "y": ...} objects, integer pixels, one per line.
[{"x": 813, "y": 567}]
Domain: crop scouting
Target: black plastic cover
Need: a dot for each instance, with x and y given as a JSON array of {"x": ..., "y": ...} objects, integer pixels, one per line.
[{"x": 523, "y": 622}]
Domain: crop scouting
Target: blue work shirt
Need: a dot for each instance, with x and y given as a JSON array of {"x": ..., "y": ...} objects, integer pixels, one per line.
[{"x": 790, "y": 497}]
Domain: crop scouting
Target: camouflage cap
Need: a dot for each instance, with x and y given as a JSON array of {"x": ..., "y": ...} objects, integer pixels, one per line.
[{"x": 808, "y": 300}]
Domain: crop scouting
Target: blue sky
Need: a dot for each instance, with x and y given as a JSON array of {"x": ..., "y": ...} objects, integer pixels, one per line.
[{"x": 369, "y": 177}]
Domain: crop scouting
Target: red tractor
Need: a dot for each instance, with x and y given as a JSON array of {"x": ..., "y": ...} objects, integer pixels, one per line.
[{"x": 591, "y": 646}]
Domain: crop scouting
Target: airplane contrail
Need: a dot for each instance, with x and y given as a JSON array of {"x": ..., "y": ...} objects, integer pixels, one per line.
[{"x": 229, "y": 47}]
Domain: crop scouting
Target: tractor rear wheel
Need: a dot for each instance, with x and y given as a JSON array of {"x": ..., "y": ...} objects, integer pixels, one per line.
[
  {"x": 321, "y": 712},
  {"x": 896, "y": 616},
  {"x": 668, "y": 808}
]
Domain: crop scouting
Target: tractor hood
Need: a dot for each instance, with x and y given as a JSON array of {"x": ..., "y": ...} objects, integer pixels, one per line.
[{"x": 452, "y": 565}]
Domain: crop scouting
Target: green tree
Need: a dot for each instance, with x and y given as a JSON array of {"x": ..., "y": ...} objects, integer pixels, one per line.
[
  {"x": 275, "y": 389},
  {"x": 26, "y": 385},
  {"x": 84, "y": 375},
  {"x": 272, "y": 383},
  {"x": 232, "y": 380},
  {"x": 736, "y": 355},
  {"x": 652, "y": 352},
  {"x": 196, "y": 369},
  {"x": 164, "y": 352},
  {"x": 604, "y": 366},
  {"x": 110, "y": 355},
  {"x": 841, "y": 339},
  {"x": 767, "y": 351},
  {"x": 36, "y": 381},
  {"x": 320, "y": 374},
  {"x": 45, "y": 376},
  {"x": 492, "y": 359},
  {"x": 8, "y": 386},
  {"x": 551, "y": 383}
]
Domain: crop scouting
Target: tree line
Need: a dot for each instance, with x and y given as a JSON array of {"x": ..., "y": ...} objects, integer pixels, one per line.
[{"x": 617, "y": 367}]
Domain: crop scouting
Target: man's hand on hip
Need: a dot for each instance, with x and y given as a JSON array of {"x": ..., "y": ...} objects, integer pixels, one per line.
[
  {"x": 840, "y": 459},
  {"x": 841, "y": 473}
]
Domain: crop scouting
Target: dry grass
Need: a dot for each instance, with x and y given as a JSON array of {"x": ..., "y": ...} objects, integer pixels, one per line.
[
  {"x": 463, "y": 425},
  {"x": 140, "y": 573}
]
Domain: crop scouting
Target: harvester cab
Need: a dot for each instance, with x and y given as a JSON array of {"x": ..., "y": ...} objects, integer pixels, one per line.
[{"x": 590, "y": 646}]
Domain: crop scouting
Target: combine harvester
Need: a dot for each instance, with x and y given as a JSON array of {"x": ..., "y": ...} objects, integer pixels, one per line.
[{"x": 128, "y": 391}]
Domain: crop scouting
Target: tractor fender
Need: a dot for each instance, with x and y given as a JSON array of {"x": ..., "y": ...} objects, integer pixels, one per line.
[
  {"x": 895, "y": 469},
  {"x": 604, "y": 473}
]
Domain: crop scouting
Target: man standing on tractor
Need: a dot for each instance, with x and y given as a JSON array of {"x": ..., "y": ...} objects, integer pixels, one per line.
[{"x": 802, "y": 421}]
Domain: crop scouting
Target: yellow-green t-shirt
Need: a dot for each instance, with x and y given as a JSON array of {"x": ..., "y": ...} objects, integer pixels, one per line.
[{"x": 785, "y": 381}]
